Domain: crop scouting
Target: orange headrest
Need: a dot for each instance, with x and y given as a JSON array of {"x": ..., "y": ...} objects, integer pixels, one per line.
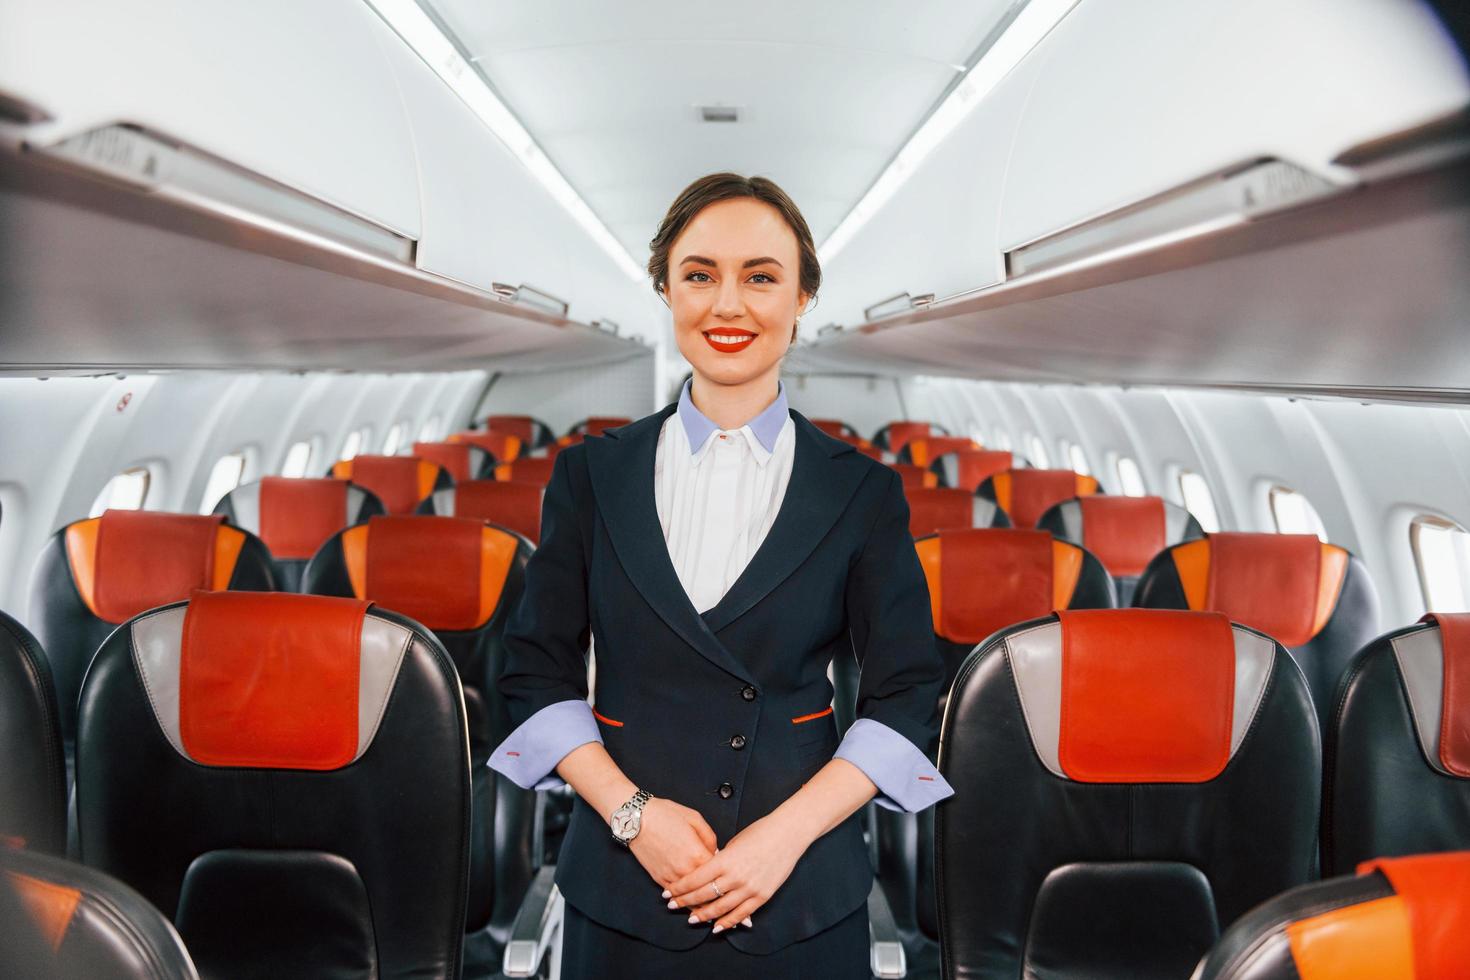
[{"x": 985, "y": 579}]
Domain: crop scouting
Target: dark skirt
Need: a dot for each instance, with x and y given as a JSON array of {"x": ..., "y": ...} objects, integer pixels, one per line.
[{"x": 592, "y": 951}]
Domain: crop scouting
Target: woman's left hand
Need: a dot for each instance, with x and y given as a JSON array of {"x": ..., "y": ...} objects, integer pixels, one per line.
[{"x": 749, "y": 870}]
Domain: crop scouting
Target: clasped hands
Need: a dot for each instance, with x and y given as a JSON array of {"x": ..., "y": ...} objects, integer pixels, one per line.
[{"x": 678, "y": 849}]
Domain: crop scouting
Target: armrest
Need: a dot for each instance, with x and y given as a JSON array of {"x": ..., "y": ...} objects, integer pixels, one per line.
[
  {"x": 885, "y": 948},
  {"x": 537, "y": 928}
]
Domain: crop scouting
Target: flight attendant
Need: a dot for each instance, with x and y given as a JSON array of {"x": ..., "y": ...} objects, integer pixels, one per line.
[{"x": 722, "y": 551}]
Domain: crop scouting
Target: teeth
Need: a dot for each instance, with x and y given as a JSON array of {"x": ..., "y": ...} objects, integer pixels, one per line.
[{"x": 721, "y": 338}]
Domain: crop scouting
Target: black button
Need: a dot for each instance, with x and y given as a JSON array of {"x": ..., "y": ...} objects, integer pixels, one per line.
[
  {"x": 748, "y": 693},
  {"x": 737, "y": 742},
  {"x": 726, "y": 791}
]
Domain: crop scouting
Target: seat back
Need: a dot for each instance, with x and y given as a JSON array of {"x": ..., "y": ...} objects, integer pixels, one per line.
[
  {"x": 460, "y": 578},
  {"x": 1315, "y": 598},
  {"x": 462, "y": 460},
  {"x": 399, "y": 482},
  {"x": 535, "y": 470},
  {"x": 307, "y": 782},
  {"x": 514, "y": 506},
  {"x": 914, "y": 477},
  {"x": 503, "y": 446},
  {"x": 60, "y": 920},
  {"x": 532, "y": 432},
  {"x": 1124, "y": 532},
  {"x": 1127, "y": 782},
  {"x": 100, "y": 572},
  {"x": 1397, "y": 919},
  {"x": 924, "y": 450},
  {"x": 968, "y": 468},
  {"x": 294, "y": 516},
  {"x": 1027, "y": 494},
  {"x": 895, "y": 435},
  {"x": 1398, "y": 749},
  {"x": 938, "y": 508},
  {"x": 33, "y": 776}
]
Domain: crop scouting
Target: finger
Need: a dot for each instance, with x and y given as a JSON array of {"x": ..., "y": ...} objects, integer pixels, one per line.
[
  {"x": 680, "y": 891},
  {"x": 738, "y": 915},
  {"x": 711, "y": 911},
  {"x": 705, "y": 831}
]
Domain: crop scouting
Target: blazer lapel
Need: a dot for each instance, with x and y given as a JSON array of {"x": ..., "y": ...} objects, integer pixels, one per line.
[
  {"x": 621, "y": 469},
  {"x": 823, "y": 480}
]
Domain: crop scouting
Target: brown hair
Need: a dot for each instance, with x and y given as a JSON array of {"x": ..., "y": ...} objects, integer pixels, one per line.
[{"x": 724, "y": 187}]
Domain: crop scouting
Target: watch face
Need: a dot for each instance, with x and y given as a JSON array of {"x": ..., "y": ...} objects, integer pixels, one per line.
[{"x": 625, "y": 822}]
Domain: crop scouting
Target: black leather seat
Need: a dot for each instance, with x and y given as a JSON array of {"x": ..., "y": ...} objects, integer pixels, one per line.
[
  {"x": 514, "y": 506},
  {"x": 461, "y": 578},
  {"x": 463, "y": 461},
  {"x": 1315, "y": 598},
  {"x": 966, "y": 469},
  {"x": 399, "y": 482},
  {"x": 98, "y": 573},
  {"x": 33, "y": 775},
  {"x": 1127, "y": 783},
  {"x": 1398, "y": 751},
  {"x": 1396, "y": 919},
  {"x": 294, "y": 516},
  {"x": 63, "y": 921},
  {"x": 289, "y": 774},
  {"x": 1026, "y": 494},
  {"x": 1125, "y": 533}
]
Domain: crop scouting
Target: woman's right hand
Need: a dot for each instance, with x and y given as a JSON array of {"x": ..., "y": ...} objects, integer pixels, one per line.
[{"x": 672, "y": 840}]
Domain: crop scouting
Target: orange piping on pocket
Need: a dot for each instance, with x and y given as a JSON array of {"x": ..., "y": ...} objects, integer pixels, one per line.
[
  {"x": 815, "y": 714},
  {"x": 603, "y": 717}
]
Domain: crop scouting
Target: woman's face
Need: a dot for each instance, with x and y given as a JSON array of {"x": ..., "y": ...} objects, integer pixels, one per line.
[{"x": 733, "y": 288}]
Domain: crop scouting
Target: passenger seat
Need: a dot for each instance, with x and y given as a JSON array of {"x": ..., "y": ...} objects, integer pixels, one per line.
[
  {"x": 1027, "y": 494},
  {"x": 597, "y": 425},
  {"x": 535, "y": 470},
  {"x": 463, "y": 461},
  {"x": 1402, "y": 918},
  {"x": 460, "y": 578},
  {"x": 100, "y": 572},
  {"x": 294, "y": 516},
  {"x": 1124, "y": 532},
  {"x": 968, "y": 468},
  {"x": 1315, "y": 598},
  {"x": 943, "y": 508},
  {"x": 532, "y": 432},
  {"x": 1398, "y": 748},
  {"x": 289, "y": 775},
  {"x": 914, "y": 477},
  {"x": 503, "y": 446},
  {"x": 924, "y": 450},
  {"x": 1127, "y": 783},
  {"x": 62, "y": 921},
  {"x": 399, "y": 482},
  {"x": 513, "y": 506},
  {"x": 895, "y": 435},
  {"x": 33, "y": 774}
]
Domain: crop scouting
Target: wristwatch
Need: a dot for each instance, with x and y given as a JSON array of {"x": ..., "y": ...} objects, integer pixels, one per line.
[{"x": 628, "y": 818}]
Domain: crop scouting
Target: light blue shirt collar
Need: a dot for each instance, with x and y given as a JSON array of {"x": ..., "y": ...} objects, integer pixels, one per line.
[{"x": 766, "y": 426}]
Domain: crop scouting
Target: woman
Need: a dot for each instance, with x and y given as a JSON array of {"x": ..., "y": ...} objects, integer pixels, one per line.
[{"x": 722, "y": 551}]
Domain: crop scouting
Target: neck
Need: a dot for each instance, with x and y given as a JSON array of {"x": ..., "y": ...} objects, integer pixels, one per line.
[{"x": 731, "y": 406}]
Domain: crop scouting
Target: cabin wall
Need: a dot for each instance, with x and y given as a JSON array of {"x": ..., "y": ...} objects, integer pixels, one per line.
[
  {"x": 1367, "y": 468},
  {"x": 62, "y": 439},
  {"x": 564, "y": 397}
]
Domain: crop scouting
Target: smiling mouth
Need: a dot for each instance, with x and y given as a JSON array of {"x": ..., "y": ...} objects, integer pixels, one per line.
[{"x": 728, "y": 341}]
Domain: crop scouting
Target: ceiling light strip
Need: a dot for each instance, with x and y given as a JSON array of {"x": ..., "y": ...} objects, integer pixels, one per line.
[
  {"x": 1033, "y": 23},
  {"x": 421, "y": 34}
]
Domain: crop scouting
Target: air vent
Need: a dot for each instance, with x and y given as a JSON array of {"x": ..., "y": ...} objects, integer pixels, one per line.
[{"x": 719, "y": 113}]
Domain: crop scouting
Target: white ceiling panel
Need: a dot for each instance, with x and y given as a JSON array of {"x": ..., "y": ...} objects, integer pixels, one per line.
[{"x": 827, "y": 91}]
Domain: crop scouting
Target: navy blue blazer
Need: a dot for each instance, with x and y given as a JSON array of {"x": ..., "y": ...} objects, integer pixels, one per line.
[{"x": 837, "y": 575}]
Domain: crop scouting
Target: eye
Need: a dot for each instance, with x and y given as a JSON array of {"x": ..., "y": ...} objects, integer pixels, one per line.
[
  {"x": 698, "y": 276},
  {"x": 762, "y": 277}
]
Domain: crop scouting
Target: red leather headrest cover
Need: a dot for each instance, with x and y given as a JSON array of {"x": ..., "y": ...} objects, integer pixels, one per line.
[
  {"x": 1147, "y": 695},
  {"x": 444, "y": 572},
  {"x": 1454, "y": 725},
  {"x": 978, "y": 465},
  {"x": 1267, "y": 581},
  {"x": 926, "y": 449},
  {"x": 1027, "y": 494},
  {"x": 1436, "y": 889},
  {"x": 298, "y": 515},
  {"x": 1125, "y": 533},
  {"x": 521, "y": 426},
  {"x": 992, "y": 578},
  {"x": 513, "y": 505},
  {"x": 915, "y": 476},
  {"x": 453, "y": 456},
  {"x": 400, "y": 482},
  {"x": 934, "y": 508},
  {"x": 146, "y": 559},
  {"x": 270, "y": 680},
  {"x": 899, "y": 433},
  {"x": 530, "y": 469}
]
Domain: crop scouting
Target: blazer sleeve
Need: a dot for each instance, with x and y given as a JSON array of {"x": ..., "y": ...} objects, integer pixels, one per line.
[
  {"x": 901, "y": 671},
  {"x": 544, "y": 677}
]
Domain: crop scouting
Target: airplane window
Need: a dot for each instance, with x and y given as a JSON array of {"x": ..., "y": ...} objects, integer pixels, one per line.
[
  {"x": 126, "y": 491},
  {"x": 1037, "y": 451},
  {"x": 429, "y": 431},
  {"x": 1130, "y": 478},
  {"x": 354, "y": 442},
  {"x": 226, "y": 476},
  {"x": 1078, "y": 459},
  {"x": 1198, "y": 500},
  {"x": 1442, "y": 552},
  {"x": 1294, "y": 513},
  {"x": 393, "y": 441},
  {"x": 297, "y": 461}
]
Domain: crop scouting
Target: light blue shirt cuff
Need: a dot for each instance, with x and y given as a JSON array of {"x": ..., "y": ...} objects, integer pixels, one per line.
[
  {"x": 905, "y": 777},
  {"x": 529, "y": 755}
]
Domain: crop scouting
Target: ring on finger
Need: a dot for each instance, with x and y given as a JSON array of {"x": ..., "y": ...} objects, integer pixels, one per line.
[{"x": 716, "y": 886}]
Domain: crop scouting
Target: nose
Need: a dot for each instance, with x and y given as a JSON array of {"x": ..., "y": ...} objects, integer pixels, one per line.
[{"x": 728, "y": 305}]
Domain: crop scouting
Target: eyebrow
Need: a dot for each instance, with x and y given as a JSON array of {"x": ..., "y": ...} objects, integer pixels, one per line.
[{"x": 748, "y": 264}]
